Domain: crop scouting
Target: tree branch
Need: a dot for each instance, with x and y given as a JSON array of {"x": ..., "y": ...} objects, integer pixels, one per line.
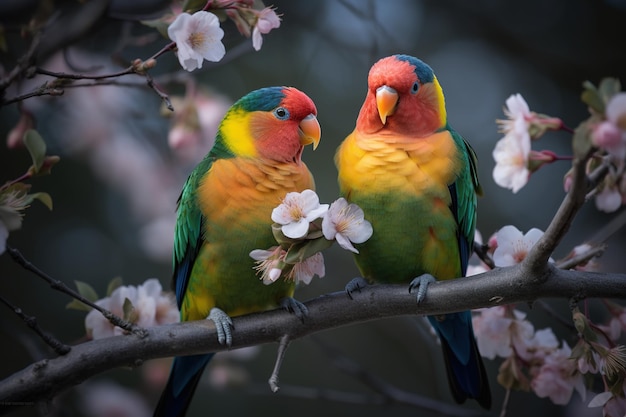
[{"x": 47, "y": 378}]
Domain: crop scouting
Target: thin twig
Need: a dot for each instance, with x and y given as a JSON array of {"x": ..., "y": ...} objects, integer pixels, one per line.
[
  {"x": 282, "y": 350},
  {"x": 59, "y": 347},
  {"x": 155, "y": 88},
  {"x": 567, "y": 323},
  {"x": 481, "y": 251},
  {"x": 389, "y": 392},
  {"x": 60, "y": 286},
  {"x": 505, "y": 403},
  {"x": 582, "y": 258}
]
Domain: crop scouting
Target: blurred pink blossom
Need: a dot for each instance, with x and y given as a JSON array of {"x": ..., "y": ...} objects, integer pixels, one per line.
[
  {"x": 108, "y": 399},
  {"x": 557, "y": 377},
  {"x": 609, "y": 199},
  {"x": 267, "y": 19},
  {"x": 152, "y": 307}
]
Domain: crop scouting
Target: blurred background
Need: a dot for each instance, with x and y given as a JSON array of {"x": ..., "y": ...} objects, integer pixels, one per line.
[{"x": 120, "y": 173}]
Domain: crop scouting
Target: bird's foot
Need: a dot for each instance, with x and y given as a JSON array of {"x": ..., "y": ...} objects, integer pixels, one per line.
[
  {"x": 294, "y": 307},
  {"x": 223, "y": 325},
  {"x": 355, "y": 284},
  {"x": 421, "y": 283}
]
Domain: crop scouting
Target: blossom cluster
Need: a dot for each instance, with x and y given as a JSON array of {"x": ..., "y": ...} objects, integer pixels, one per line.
[
  {"x": 198, "y": 36},
  {"x": 515, "y": 160},
  {"x": 534, "y": 359},
  {"x": 303, "y": 228},
  {"x": 603, "y": 136},
  {"x": 145, "y": 305}
]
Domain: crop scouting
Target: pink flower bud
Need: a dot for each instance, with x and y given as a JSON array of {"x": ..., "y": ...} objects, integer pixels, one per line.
[{"x": 606, "y": 135}]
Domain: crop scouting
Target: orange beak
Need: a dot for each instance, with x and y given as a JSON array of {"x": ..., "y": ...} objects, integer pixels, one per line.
[
  {"x": 386, "y": 101},
  {"x": 310, "y": 131}
]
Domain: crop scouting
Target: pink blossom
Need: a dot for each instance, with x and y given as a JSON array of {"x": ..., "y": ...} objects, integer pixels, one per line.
[
  {"x": 557, "y": 377},
  {"x": 297, "y": 211},
  {"x": 267, "y": 19},
  {"x": 511, "y": 155},
  {"x": 513, "y": 246},
  {"x": 108, "y": 399},
  {"x": 542, "y": 343},
  {"x": 198, "y": 37},
  {"x": 610, "y": 134},
  {"x": 16, "y": 135},
  {"x": 151, "y": 307},
  {"x": 500, "y": 331},
  {"x": 609, "y": 199},
  {"x": 270, "y": 263},
  {"x": 346, "y": 223},
  {"x": 305, "y": 271}
]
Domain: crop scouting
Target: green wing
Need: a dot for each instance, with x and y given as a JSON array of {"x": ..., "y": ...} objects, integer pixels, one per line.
[
  {"x": 188, "y": 232},
  {"x": 463, "y": 193}
]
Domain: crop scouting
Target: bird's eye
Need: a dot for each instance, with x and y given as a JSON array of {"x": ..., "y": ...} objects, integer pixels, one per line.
[
  {"x": 281, "y": 113},
  {"x": 415, "y": 87}
]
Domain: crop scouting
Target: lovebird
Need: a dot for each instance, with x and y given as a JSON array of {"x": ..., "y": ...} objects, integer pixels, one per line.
[
  {"x": 224, "y": 212},
  {"x": 415, "y": 179}
]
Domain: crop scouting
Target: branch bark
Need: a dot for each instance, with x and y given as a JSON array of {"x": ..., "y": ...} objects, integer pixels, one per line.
[{"x": 47, "y": 378}]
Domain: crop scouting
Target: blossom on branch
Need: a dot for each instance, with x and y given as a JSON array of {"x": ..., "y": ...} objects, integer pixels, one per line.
[
  {"x": 270, "y": 263},
  {"x": 198, "y": 37},
  {"x": 513, "y": 246},
  {"x": 297, "y": 211},
  {"x": 305, "y": 271},
  {"x": 557, "y": 377},
  {"x": 145, "y": 305},
  {"x": 346, "y": 223},
  {"x": 610, "y": 134},
  {"x": 267, "y": 19}
]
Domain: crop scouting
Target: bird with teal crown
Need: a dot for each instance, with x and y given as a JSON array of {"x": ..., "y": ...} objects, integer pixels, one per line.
[{"x": 224, "y": 212}]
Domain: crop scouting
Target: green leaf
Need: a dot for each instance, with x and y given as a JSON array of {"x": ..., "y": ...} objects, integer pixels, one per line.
[
  {"x": 303, "y": 250},
  {"x": 608, "y": 88},
  {"x": 44, "y": 198},
  {"x": 191, "y": 6},
  {"x": 160, "y": 25},
  {"x": 581, "y": 142},
  {"x": 36, "y": 147},
  {"x": 130, "y": 314},
  {"x": 77, "y": 305},
  {"x": 591, "y": 97},
  {"x": 86, "y": 291},
  {"x": 113, "y": 285}
]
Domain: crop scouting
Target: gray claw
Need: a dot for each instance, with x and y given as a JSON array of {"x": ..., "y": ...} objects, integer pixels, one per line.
[
  {"x": 223, "y": 325},
  {"x": 355, "y": 284},
  {"x": 295, "y": 307},
  {"x": 421, "y": 283}
]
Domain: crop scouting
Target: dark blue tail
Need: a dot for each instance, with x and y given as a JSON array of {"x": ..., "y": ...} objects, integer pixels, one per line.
[
  {"x": 184, "y": 376},
  {"x": 466, "y": 372}
]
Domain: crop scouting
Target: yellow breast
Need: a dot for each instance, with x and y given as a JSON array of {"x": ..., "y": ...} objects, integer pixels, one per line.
[{"x": 406, "y": 165}]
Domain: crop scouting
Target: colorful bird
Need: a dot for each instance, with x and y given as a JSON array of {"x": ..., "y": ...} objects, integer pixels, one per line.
[
  {"x": 415, "y": 179},
  {"x": 224, "y": 212}
]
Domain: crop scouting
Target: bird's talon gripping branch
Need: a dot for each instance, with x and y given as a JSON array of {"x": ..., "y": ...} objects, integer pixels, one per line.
[
  {"x": 355, "y": 284},
  {"x": 295, "y": 307},
  {"x": 223, "y": 325},
  {"x": 421, "y": 283}
]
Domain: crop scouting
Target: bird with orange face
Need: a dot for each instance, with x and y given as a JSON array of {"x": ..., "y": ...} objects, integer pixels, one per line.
[{"x": 415, "y": 179}]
